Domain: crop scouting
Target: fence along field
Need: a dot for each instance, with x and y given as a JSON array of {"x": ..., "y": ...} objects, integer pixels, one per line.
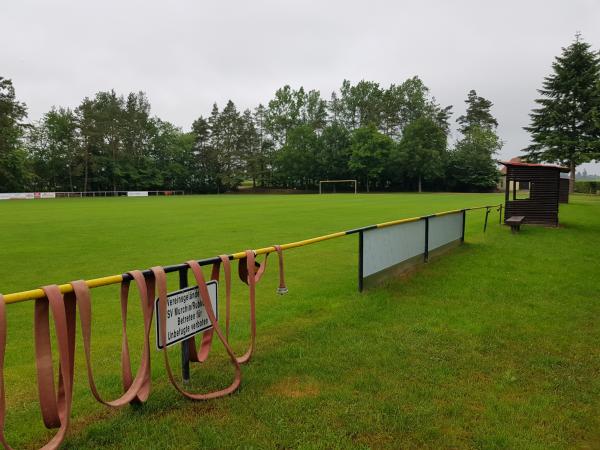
[
  {"x": 296, "y": 268},
  {"x": 49, "y": 195},
  {"x": 65, "y": 299}
]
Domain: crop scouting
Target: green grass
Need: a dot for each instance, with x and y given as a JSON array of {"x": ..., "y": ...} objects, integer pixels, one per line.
[{"x": 495, "y": 345}]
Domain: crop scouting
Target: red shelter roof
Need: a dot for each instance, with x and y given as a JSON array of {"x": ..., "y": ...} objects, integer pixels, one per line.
[{"x": 524, "y": 164}]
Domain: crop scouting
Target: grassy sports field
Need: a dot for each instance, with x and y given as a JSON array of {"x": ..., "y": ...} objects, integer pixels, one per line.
[{"x": 495, "y": 345}]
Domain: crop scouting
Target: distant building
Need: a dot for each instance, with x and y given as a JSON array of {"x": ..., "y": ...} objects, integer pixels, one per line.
[{"x": 501, "y": 186}]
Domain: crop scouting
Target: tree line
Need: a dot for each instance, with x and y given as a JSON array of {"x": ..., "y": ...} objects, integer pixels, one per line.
[{"x": 389, "y": 138}]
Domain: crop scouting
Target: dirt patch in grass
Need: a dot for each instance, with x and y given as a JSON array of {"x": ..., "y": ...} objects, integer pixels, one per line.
[{"x": 295, "y": 387}]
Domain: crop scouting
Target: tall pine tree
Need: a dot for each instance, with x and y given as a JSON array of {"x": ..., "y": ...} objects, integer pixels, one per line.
[
  {"x": 478, "y": 113},
  {"x": 471, "y": 166},
  {"x": 565, "y": 128}
]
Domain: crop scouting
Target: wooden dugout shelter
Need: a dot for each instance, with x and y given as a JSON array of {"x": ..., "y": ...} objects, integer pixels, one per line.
[{"x": 533, "y": 191}]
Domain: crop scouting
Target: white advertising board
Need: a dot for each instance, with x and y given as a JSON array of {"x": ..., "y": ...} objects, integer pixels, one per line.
[
  {"x": 137, "y": 193},
  {"x": 386, "y": 247},
  {"x": 17, "y": 196},
  {"x": 186, "y": 315},
  {"x": 445, "y": 229}
]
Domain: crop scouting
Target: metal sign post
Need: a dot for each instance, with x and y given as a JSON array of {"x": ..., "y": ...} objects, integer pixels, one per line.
[{"x": 185, "y": 351}]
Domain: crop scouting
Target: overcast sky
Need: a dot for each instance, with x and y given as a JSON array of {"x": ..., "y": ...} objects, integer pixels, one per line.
[{"x": 187, "y": 54}]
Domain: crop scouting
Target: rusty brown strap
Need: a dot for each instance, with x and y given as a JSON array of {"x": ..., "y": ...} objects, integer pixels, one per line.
[
  {"x": 202, "y": 354},
  {"x": 250, "y": 274},
  {"x": 257, "y": 269},
  {"x": 55, "y": 405},
  {"x": 160, "y": 280},
  {"x": 136, "y": 390},
  {"x": 2, "y": 392}
]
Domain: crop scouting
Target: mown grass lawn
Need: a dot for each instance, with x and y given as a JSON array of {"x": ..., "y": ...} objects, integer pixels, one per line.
[{"x": 495, "y": 345}]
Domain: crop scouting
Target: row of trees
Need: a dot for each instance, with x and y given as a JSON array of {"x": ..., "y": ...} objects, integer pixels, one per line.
[{"x": 388, "y": 138}]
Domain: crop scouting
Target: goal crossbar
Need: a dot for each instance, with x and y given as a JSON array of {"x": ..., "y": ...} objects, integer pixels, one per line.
[{"x": 338, "y": 181}]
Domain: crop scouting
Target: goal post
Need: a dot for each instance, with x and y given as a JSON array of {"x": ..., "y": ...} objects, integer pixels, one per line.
[{"x": 338, "y": 181}]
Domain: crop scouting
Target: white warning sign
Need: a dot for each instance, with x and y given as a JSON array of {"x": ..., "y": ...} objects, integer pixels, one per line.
[{"x": 186, "y": 315}]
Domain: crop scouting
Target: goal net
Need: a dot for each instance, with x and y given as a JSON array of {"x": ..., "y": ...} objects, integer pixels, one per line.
[{"x": 338, "y": 186}]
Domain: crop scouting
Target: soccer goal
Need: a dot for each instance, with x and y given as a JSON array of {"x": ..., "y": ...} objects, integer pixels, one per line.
[{"x": 335, "y": 183}]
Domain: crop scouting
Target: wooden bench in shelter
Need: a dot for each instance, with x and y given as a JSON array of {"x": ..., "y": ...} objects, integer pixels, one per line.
[{"x": 515, "y": 223}]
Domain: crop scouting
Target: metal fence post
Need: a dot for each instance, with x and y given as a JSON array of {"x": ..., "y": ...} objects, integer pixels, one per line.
[
  {"x": 487, "y": 213},
  {"x": 426, "y": 254},
  {"x": 360, "y": 261},
  {"x": 185, "y": 351}
]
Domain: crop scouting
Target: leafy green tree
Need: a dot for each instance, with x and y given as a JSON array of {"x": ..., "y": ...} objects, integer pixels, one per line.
[
  {"x": 206, "y": 158},
  {"x": 115, "y": 137},
  {"x": 422, "y": 151},
  {"x": 403, "y": 104},
  {"x": 357, "y": 106},
  {"x": 282, "y": 114},
  {"x": 54, "y": 148},
  {"x": 88, "y": 140},
  {"x": 14, "y": 168},
  {"x": 263, "y": 162},
  {"x": 297, "y": 164},
  {"x": 226, "y": 141},
  {"x": 471, "y": 165},
  {"x": 291, "y": 108},
  {"x": 229, "y": 135},
  {"x": 97, "y": 119},
  {"x": 565, "y": 128},
  {"x": 107, "y": 109},
  {"x": 369, "y": 154},
  {"x": 173, "y": 157},
  {"x": 137, "y": 130},
  {"x": 334, "y": 152},
  {"x": 250, "y": 146}
]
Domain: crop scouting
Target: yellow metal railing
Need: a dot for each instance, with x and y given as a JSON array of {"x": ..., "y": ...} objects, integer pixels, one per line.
[{"x": 115, "y": 279}]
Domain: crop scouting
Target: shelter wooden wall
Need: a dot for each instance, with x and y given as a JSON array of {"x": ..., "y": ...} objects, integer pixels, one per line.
[{"x": 542, "y": 205}]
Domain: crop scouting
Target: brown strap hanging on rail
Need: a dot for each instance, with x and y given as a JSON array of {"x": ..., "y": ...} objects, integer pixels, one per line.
[
  {"x": 160, "y": 280},
  {"x": 55, "y": 405},
  {"x": 136, "y": 390},
  {"x": 250, "y": 274},
  {"x": 202, "y": 354},
  {"x": 257, "y": 269},
  {"x": 247, "y": 266}
]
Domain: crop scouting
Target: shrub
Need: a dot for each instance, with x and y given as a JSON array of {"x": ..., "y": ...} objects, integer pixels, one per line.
[{"x": 587, "y": 187}]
